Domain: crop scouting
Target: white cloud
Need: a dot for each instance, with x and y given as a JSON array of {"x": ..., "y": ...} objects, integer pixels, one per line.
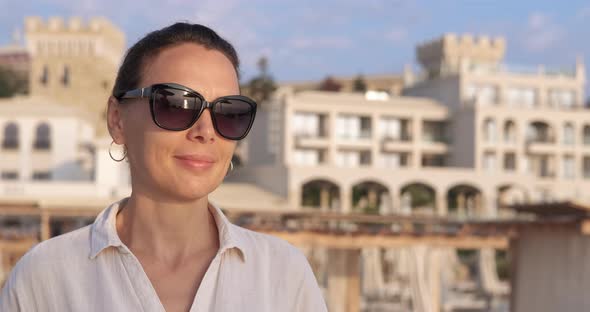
[
  {"x": 541, "y": 32},
  {"x": 396, "y": 35},
  {"x": 319, "y": 42},
  {"x": 583, "y": 13}
]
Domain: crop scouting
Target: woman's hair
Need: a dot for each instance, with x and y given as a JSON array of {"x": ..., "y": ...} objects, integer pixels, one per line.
[{"x": 131, "y": 71}]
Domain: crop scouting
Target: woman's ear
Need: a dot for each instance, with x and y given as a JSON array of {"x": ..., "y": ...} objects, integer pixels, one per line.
[{"x": 115, "y": 120}]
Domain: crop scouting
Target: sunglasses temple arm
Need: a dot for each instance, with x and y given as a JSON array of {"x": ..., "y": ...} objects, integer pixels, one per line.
[{"x": 137, "y": 93}]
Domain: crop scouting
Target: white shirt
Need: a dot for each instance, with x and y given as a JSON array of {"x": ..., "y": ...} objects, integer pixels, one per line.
[{"x": 90, "y": 269}]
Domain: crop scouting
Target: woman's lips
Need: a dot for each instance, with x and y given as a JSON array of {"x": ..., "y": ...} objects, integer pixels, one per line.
[{"x": 195, "y": 162}]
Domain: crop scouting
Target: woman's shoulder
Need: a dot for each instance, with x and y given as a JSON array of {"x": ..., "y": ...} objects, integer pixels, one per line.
[{"x": 57, "y": 251}]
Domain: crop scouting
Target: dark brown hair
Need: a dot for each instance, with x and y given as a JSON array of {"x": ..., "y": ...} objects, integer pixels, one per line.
[{"x": 131, "y": 70}]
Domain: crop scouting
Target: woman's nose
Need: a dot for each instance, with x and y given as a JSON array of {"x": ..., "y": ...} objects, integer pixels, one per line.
[{"x": 203, "y": 130}]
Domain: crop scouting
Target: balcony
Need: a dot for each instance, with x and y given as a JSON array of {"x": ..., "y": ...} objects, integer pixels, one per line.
[
  {"x": 360, "y": 140},
  {"x": 392, "y": 144},
  {"x": 540, "y": 145},
  {"x": 311, "y": 141},
  {"x": 434, "y": 143}
]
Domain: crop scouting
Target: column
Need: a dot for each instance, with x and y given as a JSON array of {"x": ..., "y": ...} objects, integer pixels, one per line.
[
  {"x": 344, "y": 290},
  {"x": 25, "y": 149},
  {"x": 332, "y": 135},
  {"x": 396, "y": 203},
  {"x": 345, "y": 201},
  {"x": 440, "y": 204},
  {"x": 324, "y": 198},
  {"x": 372, "y": 196},
  {"x": 417, "y": 139},
  {"x": 45, "y": 226},
  {"x": 490, "y": 207},
  {"x": 461, "y": 205}
]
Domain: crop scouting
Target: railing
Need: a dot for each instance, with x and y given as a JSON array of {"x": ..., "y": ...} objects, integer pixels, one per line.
[{"x": 523, "y": 70}]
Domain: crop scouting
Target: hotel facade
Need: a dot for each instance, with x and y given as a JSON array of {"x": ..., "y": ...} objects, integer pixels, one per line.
[{"x": 467, "y": 137}]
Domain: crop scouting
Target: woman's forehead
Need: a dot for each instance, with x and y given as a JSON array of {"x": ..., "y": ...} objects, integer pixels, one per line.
[{"x": 206, "y": 71}]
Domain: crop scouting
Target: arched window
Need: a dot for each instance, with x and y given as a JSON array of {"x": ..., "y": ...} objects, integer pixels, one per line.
[
  {"x": 509, "y": 132},
  {"x": 44, "y": 79},
  {"x": 65, "y": 79},
  {"x": 569, "y": 135},
  {"x": 43, "y": 136},
  {"x": 11, "y": 136},
  {"x": 586, "y": 135},
  {"x": 489, "y": 130}
]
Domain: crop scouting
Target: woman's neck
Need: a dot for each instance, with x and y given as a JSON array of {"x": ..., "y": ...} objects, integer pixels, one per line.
[{"x": 170, "y": 232}]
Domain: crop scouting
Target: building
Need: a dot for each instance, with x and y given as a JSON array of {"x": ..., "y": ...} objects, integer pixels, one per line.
[
  {"x": 74, "y": 63},
  {"x": 392, "y": 84},
  {"x": 42, "y": 140},
  {"x": 471, "y": 134},
  {"x": 466, "y": 139}
]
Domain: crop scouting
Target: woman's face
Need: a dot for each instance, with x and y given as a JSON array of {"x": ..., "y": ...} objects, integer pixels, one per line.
[{"x": 177, "y": 165}]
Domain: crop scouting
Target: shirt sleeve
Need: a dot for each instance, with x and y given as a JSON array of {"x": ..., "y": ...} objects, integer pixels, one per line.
[
  {"x": 11, "y": 296},
  {"x": 309, "y": 296}
]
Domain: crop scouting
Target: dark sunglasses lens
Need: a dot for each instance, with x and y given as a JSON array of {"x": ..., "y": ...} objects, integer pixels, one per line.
[
  {"x": 175, "y": 109},
  {"x": 233, "y": 117}
]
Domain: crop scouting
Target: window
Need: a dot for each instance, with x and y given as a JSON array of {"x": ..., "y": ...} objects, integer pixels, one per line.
[
  {"x": 489, "y": 161},
  {"x": 11, "y": 136},
  {"x": 307, "y": 157},
  {"x": 9, "y": 175},
  {"x": 42, "y": 137},
  {"x": 433, "y": 160},
  {"x": 434, "y": 131},
  {"x": 390, "y": 128},
  {"x": 41, "y": 175},
  {"x": 393, "y": 160},
  {"x": 365, "y": 158},
  {"x": 586, "y": 167},
  {"x": 66, "y": 76},
  {"x": 483, "y": 94},
  {"x": 562, "y": 99},
  {"x": 490, "y": 130},
  {"x": 306, "y": 124},
  {"x": 586, "y": 135},
  {"x": 44, "y": 79},
  {"x": 353, "y": 127},
  {"x": 509, "y": 132},
  {"x": 568, "y": 167},
  {"x": 349, "y": 159},
  {"x": 569, "y": 136},
  {"x": 521, "y": 97},
  {"x": 509, "y": 162}
]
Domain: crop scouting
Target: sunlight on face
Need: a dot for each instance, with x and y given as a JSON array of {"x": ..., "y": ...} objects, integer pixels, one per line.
[{"x": 166, "y": 163}]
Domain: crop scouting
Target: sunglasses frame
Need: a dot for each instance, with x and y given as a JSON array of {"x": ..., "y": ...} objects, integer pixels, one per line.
[{"x": 149, "y": 92}]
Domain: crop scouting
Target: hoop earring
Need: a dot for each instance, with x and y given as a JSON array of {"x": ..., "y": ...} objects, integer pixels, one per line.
[
  {"x": 111, "y": 153},
  {"x": 231, "y": 168}
]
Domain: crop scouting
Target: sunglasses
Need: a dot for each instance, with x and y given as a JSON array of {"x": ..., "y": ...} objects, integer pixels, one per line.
[{"x": 176, "y": 107}]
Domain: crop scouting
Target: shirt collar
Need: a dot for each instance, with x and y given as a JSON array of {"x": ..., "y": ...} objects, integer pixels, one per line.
[{"x": 103, "y": 232}]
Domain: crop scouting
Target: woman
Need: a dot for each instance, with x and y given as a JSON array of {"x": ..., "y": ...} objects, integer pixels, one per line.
[{"x": 176, "y": 111}]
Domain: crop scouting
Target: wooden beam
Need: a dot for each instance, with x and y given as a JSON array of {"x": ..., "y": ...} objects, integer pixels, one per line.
[{"x": 343, "y": 241}]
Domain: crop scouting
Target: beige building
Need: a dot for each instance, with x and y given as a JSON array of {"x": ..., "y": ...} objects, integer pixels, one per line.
[
  {"x": 468, "y": 137},
  {"x": 73, "y": 62},
  {"x": 470, "y": 134}
]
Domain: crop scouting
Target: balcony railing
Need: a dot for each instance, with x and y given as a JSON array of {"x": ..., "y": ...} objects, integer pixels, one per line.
[{"x": 362, "y": 135}]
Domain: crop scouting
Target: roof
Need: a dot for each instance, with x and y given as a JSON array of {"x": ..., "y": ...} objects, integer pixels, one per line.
[
  {"x": 27, "y": 106},
  {"x": 350, "y": 98},
  {"x": 554, "y": 209}
]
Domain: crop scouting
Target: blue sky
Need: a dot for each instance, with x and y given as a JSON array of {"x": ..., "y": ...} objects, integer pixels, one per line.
[{"x": 308, "y": 39}]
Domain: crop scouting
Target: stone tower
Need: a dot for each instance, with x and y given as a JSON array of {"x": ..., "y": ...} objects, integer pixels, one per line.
[{"x": 74, "y": 63}]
